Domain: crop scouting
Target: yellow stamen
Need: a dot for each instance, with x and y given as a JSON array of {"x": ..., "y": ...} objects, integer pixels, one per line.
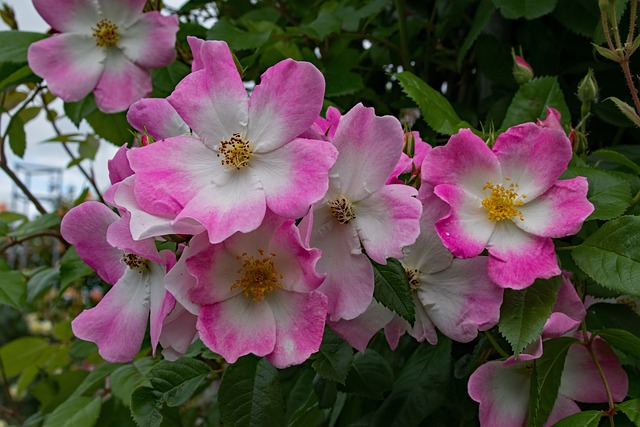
[
  {"x": 503, "y": 201},
  {"x": 236, "y": 151},
  {"x": 341, "y": 210},
  {"x": 258, "y": 276},
  {"x": 135, "y": 262},
  {"x": 413, "y": 275},
  {"x": 106, "y": 33}
]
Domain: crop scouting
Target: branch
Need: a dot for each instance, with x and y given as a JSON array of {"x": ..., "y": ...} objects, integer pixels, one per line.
[{"x": 14, "y": 242}]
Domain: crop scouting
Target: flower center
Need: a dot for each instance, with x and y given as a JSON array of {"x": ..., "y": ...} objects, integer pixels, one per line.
[
  {"x": 106, "y": 33},
  {"x": 503, "y": 201},
  {"x": 135, "y": 262},
  {"x": 341, "y": 210},
  {"x": 413, "y": 275},
  {"x": 235, "y": 152},
  {"x": 258, "y": 276}
]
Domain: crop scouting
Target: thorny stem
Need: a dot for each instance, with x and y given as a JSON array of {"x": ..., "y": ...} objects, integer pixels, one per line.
[
  {"x": 14, "y": 242},
  {"x": 588, "y": 343},
  {"x": 495, "y": 344},
  {"x": 5, "y": 385},
  {"x": 5, "y": 166},
  {"x": 632, "y": 22},
  {"x": 89, "y": 178},
  {"x": 605, "y": 29}
]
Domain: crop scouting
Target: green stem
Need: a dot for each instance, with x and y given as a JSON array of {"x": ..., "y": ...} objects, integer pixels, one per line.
[
  {"x": 632, "y": 22},
  {"x": 495, "y": 344}
]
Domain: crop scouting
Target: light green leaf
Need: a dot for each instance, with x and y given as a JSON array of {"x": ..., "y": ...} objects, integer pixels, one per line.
[
  {"x": 79, "y": 411},
  {"x": 523, "y": 313},
  {"x": 334, "y": 358},
  {"x": 250, "y": 394},
  {"x": 626, "y": 109},
  {"x": 611, "y": 255},
  {"x": 41, "y": 282},
  {"x": 41, "y": 223},
  {"x": 13, "y": 290},
  {"x": 10, "y": 217},
  {"x": 77, "y": 111},
  {"x": 95, "y": 380},
  {"x": 15, "y": 44},
  {"x": 17, "y": 137},
  {"x": 581, "y": 419},
  {"x": 631, "y": 408},
  {"x": 392, "y": 289},
  {"x": 72, "y": 268},
  {"x": 89, "y": 147},
  {"x": 22, "y": 353},
  {"x": 435, "y": 108},
  {"x": 531, "y": 102},
  {"x": 528, "y": 9}
]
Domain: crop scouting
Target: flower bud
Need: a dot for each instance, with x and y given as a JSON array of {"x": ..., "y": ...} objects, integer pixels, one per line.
[
  {"x": 522, "y": 71},
  {"x": 588, "y": 88}
]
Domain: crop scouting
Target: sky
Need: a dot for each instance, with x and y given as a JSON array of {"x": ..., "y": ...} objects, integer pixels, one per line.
[{"x": 39, "y": 130}]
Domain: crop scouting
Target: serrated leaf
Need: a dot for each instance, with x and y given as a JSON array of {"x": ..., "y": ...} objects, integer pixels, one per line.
[
  {"x": 531, "y": 102},
  {"x": 370, "y": 375},
  {"x": 435, "y": 108},
  {"x": 607, "y": 53},
  {"x": 77, "y": 111},
  {"x": 481, "y": 18},
  {"x": 609, "y": 194},
  {"x": 250, "y": 394},
  {"x": 626, "y": 109},
  {"x": 420, "y": 389},
  {"x": 17, "y": 137},
  {"x": 581, "y": 419},
  {"x": 391, "y": 289},
  {"x": 13, "y": 289},
  {"x": 524, "y": 312},
  {"x": 616, "y": 157},
  {"x": 41, "y": 223},
  {"x": 72, "y": 268},
  {"x": 631, "y": 408},
  {"x": 611, "y": 255},
  {"x": 129, "y": 377},
  {"x": 22, "y": 353},
  {"x": 15, "y": 44},
  {"x": 545, "y": 379},
  {"x": 78, "y": 411},
  {"x": 41, "y": 282},
  {"x": 622, "y": 340},
  {"x": 334, "y": 358},
  {"x": 145, "y": 407},
  {"x": 95, "y": 380},
  {"x": 528, "y": 9}
]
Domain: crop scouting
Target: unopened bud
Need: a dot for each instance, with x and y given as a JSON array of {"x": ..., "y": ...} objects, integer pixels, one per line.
[
  {"x": 8, "y": 16},
  {"x": 588, "y": 88},
  {"x": 522, "y": 71}
]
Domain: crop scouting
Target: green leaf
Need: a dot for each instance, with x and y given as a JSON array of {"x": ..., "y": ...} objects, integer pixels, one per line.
[
  {"x": 89, "y": 147},
  {"x": 609, "y": 194},
  {"x": 616, "y": 157},
  {"x": 250, "y": 394},
  {"x": 545, "y": 380},
  {"x": 126, "y": 379},
  {"x": 611, "y": 255},
  {"x": 581, "y": 419},
  {"x": 420, "y": 389},
  {"x": 41, "y": 223},
  {"x": 29, "y": 114},
  {"x": 528, "y": 9},
  {"x": 10, "y": 217},
  {"x": 77, "y": 111},
  {"x": 112, "y": 127},
  {"x": 370, "y": 376},
  {"x": 523, "y": 313},
  {"x": 15, "y": 44},
  {"x": 326, "y": 23},
  {"x": 72, "y": 268},
  {"x": 342, "y": 82},
  {"x": 236, "y": 38},
  {"x": 483, "y": 15},
  {"x": 22, "y": 353},
  {"x": 13, "y": 290},
  {"x": 165, "y": 79},
  {"x": 95, "y": 380},
  {"x": 172, "y": 383},
  {"x": 334, "y": 358},
  {"x": 19, "y": 76},
  {"x": 17, "y": 137},
  {"x": 435, "y": 108},
  {"x": 631, "y": 408},
  {"x": 79, "y": 411},
  {"x": 614, "y": 316},
  {"x": 625, "y": 109},
  {"x": 392, "y": 289},
  {"x": 579, "y": 16},
  {"x": 41, "y": 282},
  {"x": 531, "y": 102},
  {"x": 622, "y": 340}
]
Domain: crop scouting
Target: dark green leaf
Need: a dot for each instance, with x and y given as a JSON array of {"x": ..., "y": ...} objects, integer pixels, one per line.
[
  {"x": 605, "y": 315},
  {"x": 129, "y": 377},
  {"x": 308, "y": 414},
  {"x": 41, "y": 282},
  {"x": 89, "y": 147},
  {"x": 236, "y": 38},
  {"x": 624, "y": 108},
  {"x": 528, "y": 9},
  {"x": 483, "y": 15},
  {"x": 72, "y": 268},
  {"x": 13, "y": 290},
  {"x": 420, "y": 389},
  {"x": 392, "y": 289},
  {"x": 10, "y": 217},
  {"x": 631, "y": 408},
  {"x": 616, "y": 157},
  {"x": 39, "y": 224},
  {"x": 325, "y": 23},
  {"x": 17, "y": 137},
  {"x": 623, "y": 341},
  {"x": 95, "y": 380},
  {"x": 435, "y": 108},
  {"x": 579, "y": 16},
  {"x": 611, "y": 255},
  {"x": 370, "y": 376},
  {"x": 581, "y": 419},
  {"x": 112, "y": 127},
  {"x": 531, "y": 102},
  {"x": 76, "y": 111},
  {"x": 334, "y": 358},
  {"x": 326, "y": 392},
  {"x": 19, "y": 76},
  {"x": 545, "y": 379},
  {"x": 165, "y": 79},
  {"x": 250, "y": 394},
  {"x": 523, "y": 313},
  {"x": 78, "y": 411},
  {"x": 14, "y": 45},
  {"x": 145, "y": 407},
  {"x": 341, "y": 82}
]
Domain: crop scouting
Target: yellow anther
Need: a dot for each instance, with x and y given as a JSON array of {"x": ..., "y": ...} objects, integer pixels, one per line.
[
  {"x": 341, "y": 209},
  {"x": 135, "y": 262},
  {"x": 503, "y": 201},
  {"x": 235, "y": 152},
  {"x": 258, "y": 276},
  {"x": 106, "y": 33}
]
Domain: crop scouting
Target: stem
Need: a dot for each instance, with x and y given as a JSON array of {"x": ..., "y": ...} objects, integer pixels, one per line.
[
  {"x": 632, "y": 22},
  {"x": 588, "y": 343},
  {"x": 66, "y": 148},
  {"x": 495, "y": 344},
  {"x": 605, "y": 30},
  {"x": 629, "y": 79},
  {"x": 402, "y": 28},
  {"x": 5, "y": 385},
  {"x": 33, "y": 236},
  {"x": 566, "y": 248}
]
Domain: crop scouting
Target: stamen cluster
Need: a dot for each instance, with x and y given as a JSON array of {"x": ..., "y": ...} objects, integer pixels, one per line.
[
  {"x": 341, "y": 210},
  {"x": 236, "y": 151},
  {"x": 503, "y": 201},
  {"x": 258, "y": 277},
  {"x": 106, "y": 33},
  {"x": 413, "y": 275},
  {"x": 135, "y": 262}
]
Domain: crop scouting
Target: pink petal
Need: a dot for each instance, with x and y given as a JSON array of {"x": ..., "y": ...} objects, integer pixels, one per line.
[
  {"x": 359, "y": 330},
  {"x": 178, "y": 332},
  {"x": 394, "y": 330},
  {"x": 387, "y": 220},
  {"x": 552, "y": 121},
  {"x": 300, "y": 319},
  {"x": 238, "y": 326},
  {"x": 69, "y": 15},
  {"x": 369, "y": 148},
  {"x": 533, "y": 157},
  {"x": 284, "y": 104},
  {"x": 161, "y": 305},
  {"x": 85, "y": 226},
  {"x": 71, "y": 64},
  {"x": 561, "y": 409},
  {"x": 423, "y": 328},
  {"x": 466, "y": 230},
  {"x": 156, "y": 117},
  {"x": 150, "y": 41},
  {"x": 196, "y": 44},
  {"x": 213, "y": 101},
  {"x": 121, "y": 83},
  {"x": 517, "y": 258},
  {"x": 118, "y": 166},
  {"x": 465, "y": 161},
  {"x": 567, "y": 313},
  {"x": 119, "y": 236},
  {"x": 295, "y": 176},
  {"x": 558, "y": 212}
]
